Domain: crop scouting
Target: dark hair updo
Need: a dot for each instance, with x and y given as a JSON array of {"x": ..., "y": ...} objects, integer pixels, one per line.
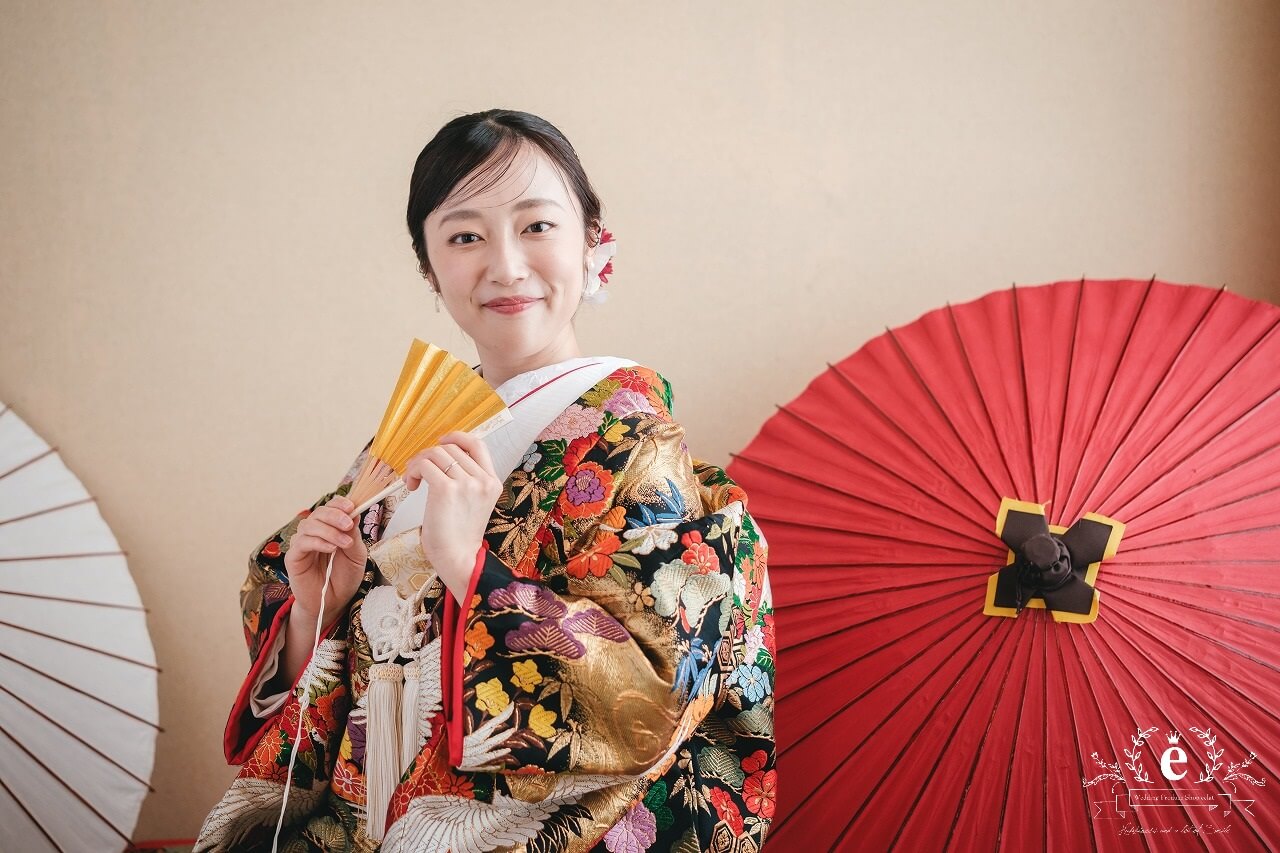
[{"x": 494, "y": 137}]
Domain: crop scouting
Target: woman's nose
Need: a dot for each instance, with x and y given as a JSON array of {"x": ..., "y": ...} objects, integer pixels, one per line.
[{"x": 507, "y": 264}]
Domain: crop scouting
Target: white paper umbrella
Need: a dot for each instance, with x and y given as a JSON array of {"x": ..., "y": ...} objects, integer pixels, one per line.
[{"x": 77, "y": 671}]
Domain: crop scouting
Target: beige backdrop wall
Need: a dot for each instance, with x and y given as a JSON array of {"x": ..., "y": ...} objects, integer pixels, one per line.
[{"x": 207, "y": 285}]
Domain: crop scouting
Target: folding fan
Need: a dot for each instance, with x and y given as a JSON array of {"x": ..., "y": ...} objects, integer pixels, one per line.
[{"x": 436, "y": 394}]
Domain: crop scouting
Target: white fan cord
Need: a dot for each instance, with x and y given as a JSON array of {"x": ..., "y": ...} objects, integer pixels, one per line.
[{"x": 306, "y": 701}]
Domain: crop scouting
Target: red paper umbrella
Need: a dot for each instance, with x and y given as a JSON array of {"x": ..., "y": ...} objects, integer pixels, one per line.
[{"x": 1025, "y": 554}]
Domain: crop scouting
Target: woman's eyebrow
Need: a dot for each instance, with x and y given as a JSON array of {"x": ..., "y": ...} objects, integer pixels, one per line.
[{"x": 520, "y": 205}]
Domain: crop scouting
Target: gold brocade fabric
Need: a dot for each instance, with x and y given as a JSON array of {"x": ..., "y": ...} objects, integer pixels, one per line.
[{"x": 615, "y": 664}]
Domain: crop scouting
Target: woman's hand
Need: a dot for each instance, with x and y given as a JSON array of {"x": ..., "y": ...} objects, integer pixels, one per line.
[
  {"x": 458, "y": 506},
  {"x": 327, "y": 530}
]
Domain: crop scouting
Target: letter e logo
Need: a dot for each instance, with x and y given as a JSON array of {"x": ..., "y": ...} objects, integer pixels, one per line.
[{"x": 1173, "y": 755}]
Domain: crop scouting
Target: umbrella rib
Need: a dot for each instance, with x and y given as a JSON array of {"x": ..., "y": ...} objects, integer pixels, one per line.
[
  {"x": 1013, "y": 744},
  {"x": 24, "y": 808},
  {"x": 136, "y": 607},
  {"x": 1257, "y": 593},
  {"x": 1215, "y": 613},
  {"x": 973, "y": 766},
  {"x": 886, "y": 644},
  {"x": 1120, "y": 664},
  {"x": 877, "y": 591},
  {"x": 860, "y": 455},
  {"x": 1222, "y": 535},
  {"x": 1214, "y": 641},
  {"x": 1180, "y": 419},
  {"x": 1241, "y": 652},
  {"x": 1248, "y": 460},
  {"x": 883, "y": 564},
  {"x": 34, "y": 459},
  {"x": 1165, "y": 373},
  {"x": 933, "y": 398},
  {"x": 83, "y": 742},
  {"x": 1208, "y": 441},
  {"x": 1075, "y": 734},
  {"x": 860, "y": 657},
  {"x": 1106, "y": 397},
  {"x": 859, "y": 498},
  {"x": 968, "y": 705},
  {"x": 1066, "y": 401},
  {"x": 82, "y": 692},
  {"x": 787, "y": 522},
  {"x": 1205, "y": 562},
  {"x": 45, "y": 511},
  {"x": 84, "y": 646},
  {"x": 894, "y": 710},
  {"x": 64, "y": 784},
  {"x": 1191, "y": 660},
  {"x": 1202, "y": 510},
  {"x": 884, "y": 416},
  {"x": 1044, "y": 740},
  {"x": 1026, "y": 407},
  {"x": 1097, "y": 706},
  {"x": 977, "y": 389}
]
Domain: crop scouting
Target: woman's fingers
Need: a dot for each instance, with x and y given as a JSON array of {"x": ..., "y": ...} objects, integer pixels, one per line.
[
  {"x": 321, "y": 531},
  {"x": 434, "y": 461},
  {"x": 459, "y": 461},
  {"x": 312, "y": 542},
  {"x": 474, "y": 447}
]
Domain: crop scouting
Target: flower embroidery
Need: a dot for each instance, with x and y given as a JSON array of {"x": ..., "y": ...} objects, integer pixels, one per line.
[
  {"x": 726, "y": 809},
  {"x": 699, "y": 554},
  {"x": 478, "y": 640},
  {"x": 541, "y": 721},
  {"x": 652, "y": 536},
  {"x": 587, "y": 491},
  {"x": 596, "y": 561},
  {"x": 633, "y": 381},
  {"x": 457, "y": 786},
  {"x": 574, "y": 422},
  {"x": 753, "y": 681},
  {"x": 371, "y": 521},
  {"x": 760, "y": 792},
  {"x": 640, "y": 596},
  {"x": 531, "y": 458},
  {"x": 755, "y": 761},
  {"x": 491, "y": 697},
  {"x": 627, "y": 402},
  {"x": 526, "y": 675},
  {"x": 634, "y": 832}
]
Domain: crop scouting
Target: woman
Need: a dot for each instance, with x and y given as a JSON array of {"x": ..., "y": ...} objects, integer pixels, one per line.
[{"x": 581, "y": 608}]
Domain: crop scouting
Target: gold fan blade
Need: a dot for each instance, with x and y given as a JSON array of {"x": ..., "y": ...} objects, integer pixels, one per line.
[{"x": 436, "y": 393}]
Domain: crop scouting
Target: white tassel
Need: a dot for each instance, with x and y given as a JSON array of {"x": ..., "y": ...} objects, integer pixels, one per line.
[
  {"x": 381, "y": 744},
  {"x": 409, "y": 715}
]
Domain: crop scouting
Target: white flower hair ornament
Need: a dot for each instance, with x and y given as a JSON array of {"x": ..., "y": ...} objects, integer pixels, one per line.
[{"x": 600, "y": 269}]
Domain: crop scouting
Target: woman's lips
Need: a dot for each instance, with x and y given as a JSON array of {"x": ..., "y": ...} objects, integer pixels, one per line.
[{"x": 511, "y": 307}]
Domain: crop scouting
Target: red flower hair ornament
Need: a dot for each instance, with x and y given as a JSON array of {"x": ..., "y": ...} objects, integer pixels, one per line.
[{"x": 600, "y": 268}]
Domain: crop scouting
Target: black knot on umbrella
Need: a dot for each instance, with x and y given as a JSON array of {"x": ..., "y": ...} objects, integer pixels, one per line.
[{"x": 1043, "y": 565}]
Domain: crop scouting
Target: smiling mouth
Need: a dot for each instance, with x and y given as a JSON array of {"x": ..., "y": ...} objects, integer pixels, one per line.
[{"x": 510, "y": 306}]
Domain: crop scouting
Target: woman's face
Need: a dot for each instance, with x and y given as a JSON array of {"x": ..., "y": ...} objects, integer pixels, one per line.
[{"x": 511, "y": 262}]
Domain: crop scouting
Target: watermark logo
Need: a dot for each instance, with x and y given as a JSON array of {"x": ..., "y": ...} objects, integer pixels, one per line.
[{"x": 1211, "y": 792}]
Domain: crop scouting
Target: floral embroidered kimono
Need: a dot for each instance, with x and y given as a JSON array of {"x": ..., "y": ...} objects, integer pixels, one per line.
[{"x": 608, "y": 684}]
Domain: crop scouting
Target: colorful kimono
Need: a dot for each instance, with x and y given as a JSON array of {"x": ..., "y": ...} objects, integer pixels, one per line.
[{"x": 608, "y": 684}]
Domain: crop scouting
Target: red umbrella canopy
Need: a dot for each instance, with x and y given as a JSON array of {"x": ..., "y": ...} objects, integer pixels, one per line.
[{"x": 1024, "y": 554}]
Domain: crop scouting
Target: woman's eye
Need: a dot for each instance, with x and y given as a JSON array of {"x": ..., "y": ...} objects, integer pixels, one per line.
[
  {"x": 454, "y": 238},
  {"x": 549, "y": 225}
]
